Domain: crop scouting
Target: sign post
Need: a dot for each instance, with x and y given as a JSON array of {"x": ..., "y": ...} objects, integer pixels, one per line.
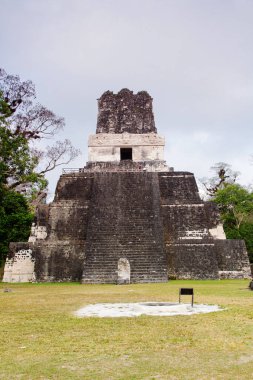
[{"x": 186, "y": 291}]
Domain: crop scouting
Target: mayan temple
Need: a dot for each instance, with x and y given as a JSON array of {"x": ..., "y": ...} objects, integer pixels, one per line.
[{"x": 126, "y": 217}]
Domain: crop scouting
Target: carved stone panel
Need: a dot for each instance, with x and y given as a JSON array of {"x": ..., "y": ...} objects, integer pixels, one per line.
[{"x": 123, "y": 271}]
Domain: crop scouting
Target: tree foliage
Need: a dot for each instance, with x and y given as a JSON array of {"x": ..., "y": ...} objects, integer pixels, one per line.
[
  {"x": 17, "y": 164},
  {"x": 15, "y": 220},
  {"x": 23, "y": 124},
  {"x": 236, "y": 207}
]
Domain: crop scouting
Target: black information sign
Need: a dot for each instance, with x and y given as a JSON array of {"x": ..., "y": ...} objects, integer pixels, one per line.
[{"x": 186, "y": 292}]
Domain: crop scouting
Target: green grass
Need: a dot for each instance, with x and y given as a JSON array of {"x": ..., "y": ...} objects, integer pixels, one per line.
[{"x": 41, "y": 339}]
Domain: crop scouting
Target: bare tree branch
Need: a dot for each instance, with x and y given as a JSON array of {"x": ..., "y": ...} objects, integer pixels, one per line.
[
  {"x": 223, "y": 175},
  {"x": 32, "y": 121},
  {"x": 38, "y": 122},
  {"x": 17, "y": 94},
  {"x": 59, "y": 154}
]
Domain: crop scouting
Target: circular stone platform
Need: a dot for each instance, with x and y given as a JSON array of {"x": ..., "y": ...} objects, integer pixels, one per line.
[{"x": 143, "y": 308}]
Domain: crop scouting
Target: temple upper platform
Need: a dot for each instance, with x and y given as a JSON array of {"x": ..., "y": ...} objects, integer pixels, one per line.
[{"x": 126, "y": 130}]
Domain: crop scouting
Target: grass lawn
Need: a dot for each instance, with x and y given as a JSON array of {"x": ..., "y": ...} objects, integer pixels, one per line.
[{"x": 41, "y": 339}]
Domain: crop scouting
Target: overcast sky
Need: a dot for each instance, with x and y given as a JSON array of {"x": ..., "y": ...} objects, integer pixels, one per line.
[{"x": 194, "y": 57}]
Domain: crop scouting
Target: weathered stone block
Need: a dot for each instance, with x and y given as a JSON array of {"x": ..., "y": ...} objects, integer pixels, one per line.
[{"x": 192, "y": 260}]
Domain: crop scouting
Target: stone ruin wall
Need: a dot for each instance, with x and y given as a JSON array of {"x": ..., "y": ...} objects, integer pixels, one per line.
[
  {"x": 125, "y": 225},
  {"x": 126, "y": 166},
  {"x": 195, "y": 241},
  {"x": 125, "y": 112},
  {"x": 20, "y": 264},
  {"x": 60, "y": 250},
  {"x": 79, "y": 222}
]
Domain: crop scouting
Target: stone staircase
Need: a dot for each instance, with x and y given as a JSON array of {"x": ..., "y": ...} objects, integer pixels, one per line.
[{"x": 125, "y": 222}]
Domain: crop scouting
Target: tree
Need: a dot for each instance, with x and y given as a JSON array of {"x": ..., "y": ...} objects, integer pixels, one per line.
[
  {"x": 236, "y": 207},
  {"x": 23, "y": 124},
  {"x": 15, "y": 220},
  {"x": 223, "y": 175},
  {"x": 23, "y": 164}
]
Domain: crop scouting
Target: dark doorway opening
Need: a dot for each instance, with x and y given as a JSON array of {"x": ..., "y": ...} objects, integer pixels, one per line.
[{"x": 126, "y": 154}]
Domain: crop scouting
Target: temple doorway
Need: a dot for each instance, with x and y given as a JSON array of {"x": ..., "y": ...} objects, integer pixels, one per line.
[{"x": 126, "y": 154}]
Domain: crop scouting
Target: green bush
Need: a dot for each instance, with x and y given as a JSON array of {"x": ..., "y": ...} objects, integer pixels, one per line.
[{"x": 15, "y": 220}]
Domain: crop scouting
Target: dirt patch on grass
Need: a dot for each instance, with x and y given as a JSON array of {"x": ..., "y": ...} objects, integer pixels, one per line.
[{"x": 162, "y": 309}]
